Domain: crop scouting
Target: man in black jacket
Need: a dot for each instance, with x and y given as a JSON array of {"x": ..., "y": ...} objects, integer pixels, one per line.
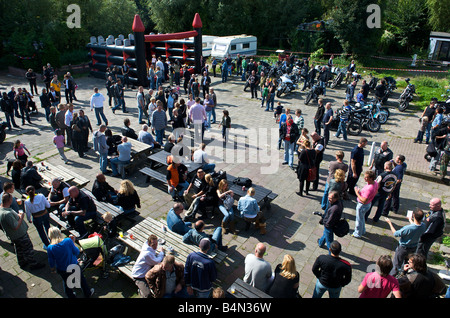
[
  {"x": 319, "y": 116},
  {"x": 31, "y": 77},
  {"x": 435, "y": 221},
  {"x": 330, "y": 219},
  {"x": 332, "y": 273},
  {"x": 8, "y": 108}
]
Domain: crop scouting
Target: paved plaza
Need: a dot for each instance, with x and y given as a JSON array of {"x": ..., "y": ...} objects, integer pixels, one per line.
[{"x": 291, "y": 226}]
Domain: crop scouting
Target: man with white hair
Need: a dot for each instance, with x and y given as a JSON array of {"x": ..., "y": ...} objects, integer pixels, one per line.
[{"x": 147, "y": 138}]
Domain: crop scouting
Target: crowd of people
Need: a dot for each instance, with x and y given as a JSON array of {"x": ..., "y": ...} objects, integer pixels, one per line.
[{"x": 156, "y": 272}]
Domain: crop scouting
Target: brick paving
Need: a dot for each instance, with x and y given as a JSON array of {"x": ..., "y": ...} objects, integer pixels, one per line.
[{"x": 291, "y": 227}]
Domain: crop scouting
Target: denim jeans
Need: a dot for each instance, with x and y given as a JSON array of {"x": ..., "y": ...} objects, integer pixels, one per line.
[
  {"x": 270, "y": 101},
  {"x": 324, "y": 203},
  {"x": 227, "y": 215},
  {"x": 115, "y": 162},
  {"x": 78, "y": 221},
  {"x": 289, "y": 152},
  {"x": 342, "y": 129},
  {"x": 140, "y": 114},
  {"x": 327, "y": 237},
  {"x": 119, "y": 101},
  {"x": 380, "y": 197},
  {"x": 159, "y": 135},
  {"x": 103, "y": 160},
  {"x": 360, "y": 224},
  {"x": 324, "y": 86},
  {"x": 42, "y": 224},
  {"x": 99, "y": 113},
  {"x": 208, "y": 116},
  {"x": 181, "y": 187},
  {"x": 320, "y": 289}
]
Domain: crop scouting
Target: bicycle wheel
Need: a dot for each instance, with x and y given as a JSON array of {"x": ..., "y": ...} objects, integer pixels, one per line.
[{"x": 354, "y": 128}]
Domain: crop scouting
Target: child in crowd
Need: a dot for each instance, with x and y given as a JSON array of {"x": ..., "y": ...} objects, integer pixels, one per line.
[
  {"x": 59, "y": 142},
  {"x": 278, "y": 112}
]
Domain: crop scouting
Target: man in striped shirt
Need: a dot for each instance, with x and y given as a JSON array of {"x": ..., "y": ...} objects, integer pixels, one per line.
[{"x": 344, "y": 114}]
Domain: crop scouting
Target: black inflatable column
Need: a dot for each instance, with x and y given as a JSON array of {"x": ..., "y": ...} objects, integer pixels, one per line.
[
  {"x": 198, "y": 45},
  {"x": 139, "y": 40}
]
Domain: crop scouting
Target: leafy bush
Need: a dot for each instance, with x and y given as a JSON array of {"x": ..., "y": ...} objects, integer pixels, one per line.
[{"x": 317, "y": 54}]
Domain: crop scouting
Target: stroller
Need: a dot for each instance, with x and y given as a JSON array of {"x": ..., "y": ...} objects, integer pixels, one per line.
[{"x": 93, "y": 254}]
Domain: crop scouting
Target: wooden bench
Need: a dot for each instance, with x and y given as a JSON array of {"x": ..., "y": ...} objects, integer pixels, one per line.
[
  {"x": 62, "y": 224},
  {"x": 141, "y": 231},
  {"x": 77, "y": 179},
  {"x": 150, "y": 173},
  {"x": 240, "y": 289}
]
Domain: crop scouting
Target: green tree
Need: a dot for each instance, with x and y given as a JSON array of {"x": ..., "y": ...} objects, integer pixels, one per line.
[
  {"x": 407, "y": 21},
  {"x": 349, "y": 24},
  {"x": 439, "y": 13}
]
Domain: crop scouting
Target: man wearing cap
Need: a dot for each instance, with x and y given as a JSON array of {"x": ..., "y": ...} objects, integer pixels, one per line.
[{"x": 200, "y": 271}]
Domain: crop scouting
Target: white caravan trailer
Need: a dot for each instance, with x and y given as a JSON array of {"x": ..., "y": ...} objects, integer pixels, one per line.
[{"x": 245, "y": 45}]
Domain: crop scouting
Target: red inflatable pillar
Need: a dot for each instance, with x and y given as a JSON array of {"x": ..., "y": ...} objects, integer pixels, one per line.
[
  {"x": 139, "y": 40},
  {"x": 198, "y": 45}
]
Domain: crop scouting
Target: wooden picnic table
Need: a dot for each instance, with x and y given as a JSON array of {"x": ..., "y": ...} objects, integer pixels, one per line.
[
  {"x": 103, "y": 207},
  {"x": 161, "y": 158},
  {"x": 50, "y": 172},
  {"x": 171, "y": 241},
  {"x": 262, "y": 195},
  {"x": 240, "y": 289},
  {"x": 139, "y": 149}
]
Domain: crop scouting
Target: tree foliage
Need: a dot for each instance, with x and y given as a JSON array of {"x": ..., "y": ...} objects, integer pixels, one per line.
[{"x": 438, "y": 15}]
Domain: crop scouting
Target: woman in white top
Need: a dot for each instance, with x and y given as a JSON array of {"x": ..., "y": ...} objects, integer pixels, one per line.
[{"x": 36, "y": 210}]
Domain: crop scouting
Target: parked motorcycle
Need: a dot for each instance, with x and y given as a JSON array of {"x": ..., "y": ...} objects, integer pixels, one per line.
[
  {"x": 363, "y": 118},
  {"x": 407, "y": 96},
  {"x": 391, "y": 85},
  {"x": 314, "y": 93},
  {"x": 339, "y": 77},
  {"x": 286, "y": 84},
  {"x": 3, "y": 126},
  {"x": 373, "y": 82}
]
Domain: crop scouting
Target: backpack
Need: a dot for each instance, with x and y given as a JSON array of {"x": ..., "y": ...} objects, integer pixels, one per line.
[
  {"x": 342, "y": 228},
  {"x": 243, "y": 182}
]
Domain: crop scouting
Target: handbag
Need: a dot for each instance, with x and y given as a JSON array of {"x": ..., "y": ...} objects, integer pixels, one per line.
[{"x": 312, "y": 172}]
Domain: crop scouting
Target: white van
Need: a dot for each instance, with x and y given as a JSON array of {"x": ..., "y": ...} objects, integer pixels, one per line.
[{"x": 233, "y": 45}]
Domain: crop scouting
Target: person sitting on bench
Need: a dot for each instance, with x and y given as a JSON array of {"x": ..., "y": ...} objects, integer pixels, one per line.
[
  {"x": 79, "y": 208},
  {"x": 250, "y": 212},
  {"x": 58, "y": 195}
]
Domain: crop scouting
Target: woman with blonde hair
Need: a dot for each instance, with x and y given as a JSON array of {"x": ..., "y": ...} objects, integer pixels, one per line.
[
  {"x": 127, "y": 197},
  {"x": 286, "y": 280},
  {"x": 36, "y": 210},
  {"x": 62, "y": 258},
  {"x": 226, "y": 202}
]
